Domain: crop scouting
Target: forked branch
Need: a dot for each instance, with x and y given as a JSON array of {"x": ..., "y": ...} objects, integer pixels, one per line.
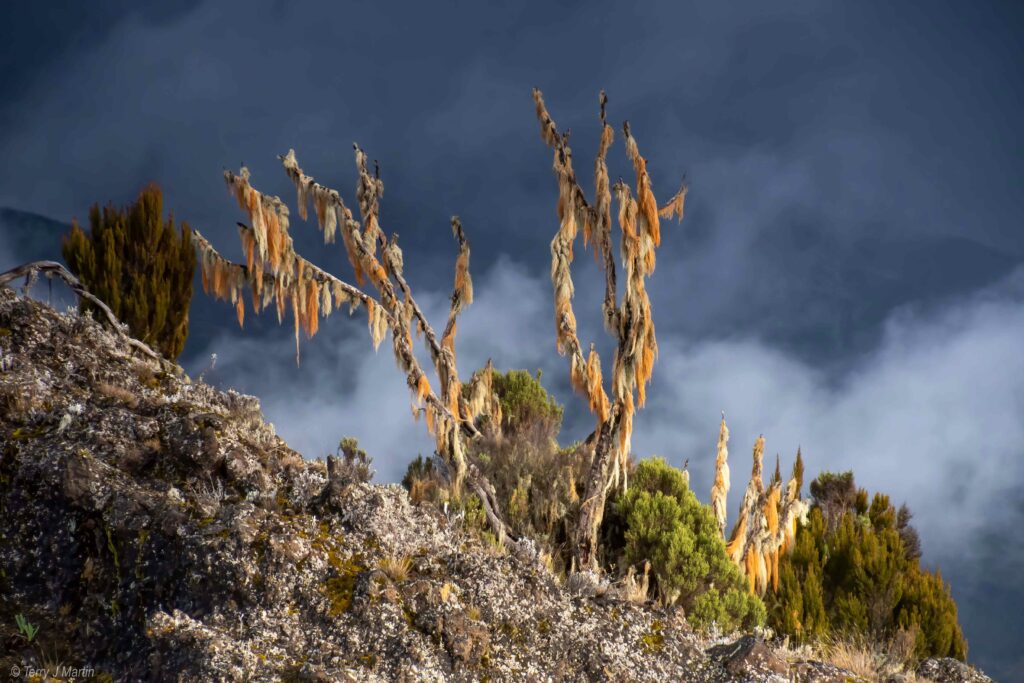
[{"x": 628, "y": 321}]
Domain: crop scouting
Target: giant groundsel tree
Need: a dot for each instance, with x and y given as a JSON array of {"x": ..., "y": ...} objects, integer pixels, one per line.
[{"x": 627, "y": 318}]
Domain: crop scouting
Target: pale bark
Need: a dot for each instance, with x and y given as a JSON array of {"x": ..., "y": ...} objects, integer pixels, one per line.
[{"x": 30, "y": 271}]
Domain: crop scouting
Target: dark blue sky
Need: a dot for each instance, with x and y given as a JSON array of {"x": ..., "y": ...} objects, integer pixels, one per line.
[{"x": 848, "y": 276}]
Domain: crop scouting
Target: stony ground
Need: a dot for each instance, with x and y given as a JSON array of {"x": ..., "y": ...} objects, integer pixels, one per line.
[{"x": 154, "y": 528}]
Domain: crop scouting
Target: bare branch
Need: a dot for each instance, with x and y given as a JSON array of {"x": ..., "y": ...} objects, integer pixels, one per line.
[
  {"x": 312, "y": 291},
  {"x": 52, "y": 269}
]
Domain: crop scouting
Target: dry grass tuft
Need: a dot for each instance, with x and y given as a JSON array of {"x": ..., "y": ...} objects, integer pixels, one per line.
[
  {"x": 396, "y": 568},
  {"x": 633, "y": 589},
  {"x": 853, "y": 656},
  {"x": 117, "y": 393},
  {"x": 872, "y": 660}
]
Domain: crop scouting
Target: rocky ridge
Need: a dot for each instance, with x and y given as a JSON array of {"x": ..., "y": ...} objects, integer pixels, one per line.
[{"x": 154, "y": 528}]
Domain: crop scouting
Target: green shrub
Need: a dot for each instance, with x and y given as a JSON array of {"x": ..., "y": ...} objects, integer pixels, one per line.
[
  {"x": 662, "y": 522},
  {"x": 140, "y": 266},
  {"x": 353, "y": 462},
  {"x": 525, "y": 403},
  {"x": 854, "y": 572},
  {"x": 536, "y": 481}
]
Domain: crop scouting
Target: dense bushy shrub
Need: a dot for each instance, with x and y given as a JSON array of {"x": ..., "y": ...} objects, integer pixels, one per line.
[
  {"x": 855, "y": 570},
  {"x": 525, "y": 403},
  {"x": 140, "y": 265},
  {"x": 661, "y": 521},
  {"x": 536, "y": 481}
]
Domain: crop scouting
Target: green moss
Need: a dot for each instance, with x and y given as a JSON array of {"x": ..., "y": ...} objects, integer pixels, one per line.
[
  {"x": 654, "y": 639},
  {"x": 511, "y": 631},
  {"x": 26, "y": 433},
  {"x": 339, "y": 589},
  {"x": 143, "y": 536},
  {"x": 325, "y": 542},
  {"x": 113, "y": 551}
]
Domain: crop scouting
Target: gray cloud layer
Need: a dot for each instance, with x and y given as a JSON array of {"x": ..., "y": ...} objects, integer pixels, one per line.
[{"x": 932, "y": 416}]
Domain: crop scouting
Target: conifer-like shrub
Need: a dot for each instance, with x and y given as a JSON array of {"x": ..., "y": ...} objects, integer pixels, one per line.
[
  {"x": 140, "y": 265},
  {"x": 660, "y": 520},
  {"x": 855, "y": 572}
]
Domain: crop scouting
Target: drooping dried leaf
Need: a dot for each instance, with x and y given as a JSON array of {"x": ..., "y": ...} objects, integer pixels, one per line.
[{"x": 720, "y": 488}]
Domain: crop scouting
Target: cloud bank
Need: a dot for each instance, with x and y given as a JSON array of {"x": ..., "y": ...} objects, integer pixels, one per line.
[{"x": 931, "y": 416}]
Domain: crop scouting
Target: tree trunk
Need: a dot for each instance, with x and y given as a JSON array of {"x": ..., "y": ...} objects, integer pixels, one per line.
[{"x": 585, "y": 541}]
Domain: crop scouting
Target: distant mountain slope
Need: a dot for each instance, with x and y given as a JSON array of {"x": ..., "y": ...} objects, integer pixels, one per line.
[{"x": 27, "y": 236}]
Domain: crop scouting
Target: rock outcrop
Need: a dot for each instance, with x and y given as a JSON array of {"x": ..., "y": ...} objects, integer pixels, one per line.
[{"x": 154, "y": 528}]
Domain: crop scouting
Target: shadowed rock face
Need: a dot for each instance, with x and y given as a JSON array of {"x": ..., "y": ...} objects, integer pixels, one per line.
[{"x": 154, "y": 528}]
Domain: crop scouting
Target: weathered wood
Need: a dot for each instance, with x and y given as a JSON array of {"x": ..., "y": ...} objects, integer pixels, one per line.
[{"x": 51, "y": 269}]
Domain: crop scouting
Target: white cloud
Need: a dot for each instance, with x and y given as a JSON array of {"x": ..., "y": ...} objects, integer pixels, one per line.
[{"x": 931, "y": 416}]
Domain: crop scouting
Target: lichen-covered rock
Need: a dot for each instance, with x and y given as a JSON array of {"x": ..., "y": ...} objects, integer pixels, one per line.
[
  {"x": 750, "y": 658},
  {"x": 820, "y": 672},
  {"x": 155, "y": 528},
  {"x": 947, "y": 670}
]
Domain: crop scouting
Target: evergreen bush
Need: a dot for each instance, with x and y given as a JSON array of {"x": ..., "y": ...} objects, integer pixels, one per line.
[
  {"x": 137, "y": 263},
  {"x": 855, "y": 571}
]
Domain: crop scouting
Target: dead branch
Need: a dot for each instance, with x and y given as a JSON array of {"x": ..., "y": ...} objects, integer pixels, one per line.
[{"x": 53, "y": 269}]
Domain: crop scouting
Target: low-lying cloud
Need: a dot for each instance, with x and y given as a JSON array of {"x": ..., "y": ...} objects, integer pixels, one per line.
[{"x": 931, "y": 416}]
